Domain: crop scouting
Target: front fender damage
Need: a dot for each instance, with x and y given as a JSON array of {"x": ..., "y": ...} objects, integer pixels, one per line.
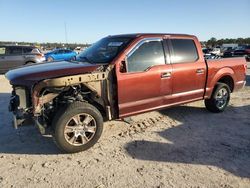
[{"x": 92, "y": 81}]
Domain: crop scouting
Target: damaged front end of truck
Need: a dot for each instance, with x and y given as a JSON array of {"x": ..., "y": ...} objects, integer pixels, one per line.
[{"x": 40, "y": 102}]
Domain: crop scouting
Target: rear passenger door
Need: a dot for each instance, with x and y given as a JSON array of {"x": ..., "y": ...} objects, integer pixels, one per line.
[{"x": 189, "y": 70}]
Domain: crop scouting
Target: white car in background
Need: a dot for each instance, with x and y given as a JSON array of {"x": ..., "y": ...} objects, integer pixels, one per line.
[
  {"x": 216, "y": 51},
  {"x": 79, "y": 49}
]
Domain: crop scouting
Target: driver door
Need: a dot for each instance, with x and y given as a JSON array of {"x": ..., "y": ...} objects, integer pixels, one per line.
[{"x": 145, "y": 81}]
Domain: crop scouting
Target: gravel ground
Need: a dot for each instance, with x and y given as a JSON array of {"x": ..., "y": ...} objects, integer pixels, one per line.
[{"x": 184, "y": 146}]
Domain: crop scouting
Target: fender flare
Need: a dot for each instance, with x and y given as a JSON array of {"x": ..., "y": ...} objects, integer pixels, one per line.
[{"x": 226, "y": 71}]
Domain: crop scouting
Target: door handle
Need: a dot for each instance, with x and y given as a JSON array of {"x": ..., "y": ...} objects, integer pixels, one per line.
[
  {"x": 200, "y": 71},
  {"x": 165, "y": 74}
]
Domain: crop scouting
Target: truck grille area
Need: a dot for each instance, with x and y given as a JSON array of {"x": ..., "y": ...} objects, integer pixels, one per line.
[
  {"x": 20, "y": 105},
  {"x": 14, "y": 102},
  {"x": 20, "y": 101},
  {"x": 20, "y": 98}
]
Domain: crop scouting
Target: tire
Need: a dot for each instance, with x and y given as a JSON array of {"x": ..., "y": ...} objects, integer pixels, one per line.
[
  {"x": 219, "y": 99},
  {"x": 77, "y": 127},
  {"x": 50, "y": 59},
  {"x": 29, "y": 63}
]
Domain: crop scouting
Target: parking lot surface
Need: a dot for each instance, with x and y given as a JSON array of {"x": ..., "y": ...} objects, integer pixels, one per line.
[{"x": 184, "y": 146}]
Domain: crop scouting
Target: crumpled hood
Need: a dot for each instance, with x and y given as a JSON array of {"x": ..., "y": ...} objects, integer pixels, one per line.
[{"x": 30, "y": 74}]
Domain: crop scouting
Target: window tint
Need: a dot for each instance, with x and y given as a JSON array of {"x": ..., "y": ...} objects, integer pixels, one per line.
[
  {"x": 145, "y": 56},
  {"x": 67, "y": 51},
  {"x": 27, "y": 50},
  {"x": 14, "y": 50},
  {"x": 2, "y": 50},
  {"x": 184, "y": 50},
  {"x": 61, "y": 51}
]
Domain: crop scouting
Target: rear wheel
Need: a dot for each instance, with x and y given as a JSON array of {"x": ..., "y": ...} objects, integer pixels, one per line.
[
  {"x": 219, "y": 99},
  {"x": 77, "y": 127}
]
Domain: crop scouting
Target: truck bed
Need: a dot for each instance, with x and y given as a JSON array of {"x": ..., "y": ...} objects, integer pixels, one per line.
[{"x": 233, "y": 67}]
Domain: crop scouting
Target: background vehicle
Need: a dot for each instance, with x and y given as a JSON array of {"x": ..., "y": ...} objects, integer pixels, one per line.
[
  {"x": 208, "y": 55},
  {"x": 243, "y": 51},
  {"x": 79, "y": 49},
  {"x": 117, "y": 77},
  {"x": 228, "y": 46},
  {"x": 206, "y": 52},
  {"x": 216, "y": 51},
  {"x": 15, "y": 56},
  {"x": 228, "y": 52},
  {"x": 60, "y": 54}
]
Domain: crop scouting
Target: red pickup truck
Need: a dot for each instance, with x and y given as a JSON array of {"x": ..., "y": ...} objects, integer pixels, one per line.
[{"x": 117, "y": 77}]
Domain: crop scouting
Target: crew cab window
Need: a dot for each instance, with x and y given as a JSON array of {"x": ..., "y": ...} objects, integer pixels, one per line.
[
  {"x": 2, "y": 50},
  {"x": 184, "y": 50},
  {"x": 27, "y": 50},
  {"x": 146, "y": 55}
]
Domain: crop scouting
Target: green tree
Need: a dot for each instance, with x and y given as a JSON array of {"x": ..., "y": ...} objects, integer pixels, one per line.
[{"x": 212, "y": 42}]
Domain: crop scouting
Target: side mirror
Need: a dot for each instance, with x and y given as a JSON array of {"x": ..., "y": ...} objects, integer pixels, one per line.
[{"x": 123, "y": 66}]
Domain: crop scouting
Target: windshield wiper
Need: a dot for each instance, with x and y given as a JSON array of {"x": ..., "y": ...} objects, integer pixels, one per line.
[{"x": 85, "y": 58}]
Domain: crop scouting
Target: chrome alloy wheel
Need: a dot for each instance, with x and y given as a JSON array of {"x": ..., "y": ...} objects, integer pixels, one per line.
[
  {"x": 221, "y": 98},
  {"x": 80, "y": 129}
]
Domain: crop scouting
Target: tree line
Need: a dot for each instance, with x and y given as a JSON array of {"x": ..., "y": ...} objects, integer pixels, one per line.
[
  {"x": 47, "y": 45},
  {"x": 214, "y": 42}
]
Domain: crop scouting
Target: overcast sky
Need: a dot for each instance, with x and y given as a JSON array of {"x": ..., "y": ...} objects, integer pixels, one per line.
[{"x": 88, "y": 21}]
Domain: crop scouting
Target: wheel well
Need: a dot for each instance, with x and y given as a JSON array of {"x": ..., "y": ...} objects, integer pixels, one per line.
[
  {"x": 74, "y": 93},
  {"x": 96, "y": 101},
  {"x": 99, "y": 107},
  {"x": 28, "y": 62},
  {"x": 227, "y": 80}
]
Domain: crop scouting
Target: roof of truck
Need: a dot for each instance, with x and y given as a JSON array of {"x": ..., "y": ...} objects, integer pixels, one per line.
[{"x": 135, "y": 35}]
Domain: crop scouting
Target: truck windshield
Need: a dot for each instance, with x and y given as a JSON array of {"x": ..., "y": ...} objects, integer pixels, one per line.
[{"x": 104, "y": 51}]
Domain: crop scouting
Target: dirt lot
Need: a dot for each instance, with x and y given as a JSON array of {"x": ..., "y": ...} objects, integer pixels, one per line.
[{"x": 184, "y": 146}]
